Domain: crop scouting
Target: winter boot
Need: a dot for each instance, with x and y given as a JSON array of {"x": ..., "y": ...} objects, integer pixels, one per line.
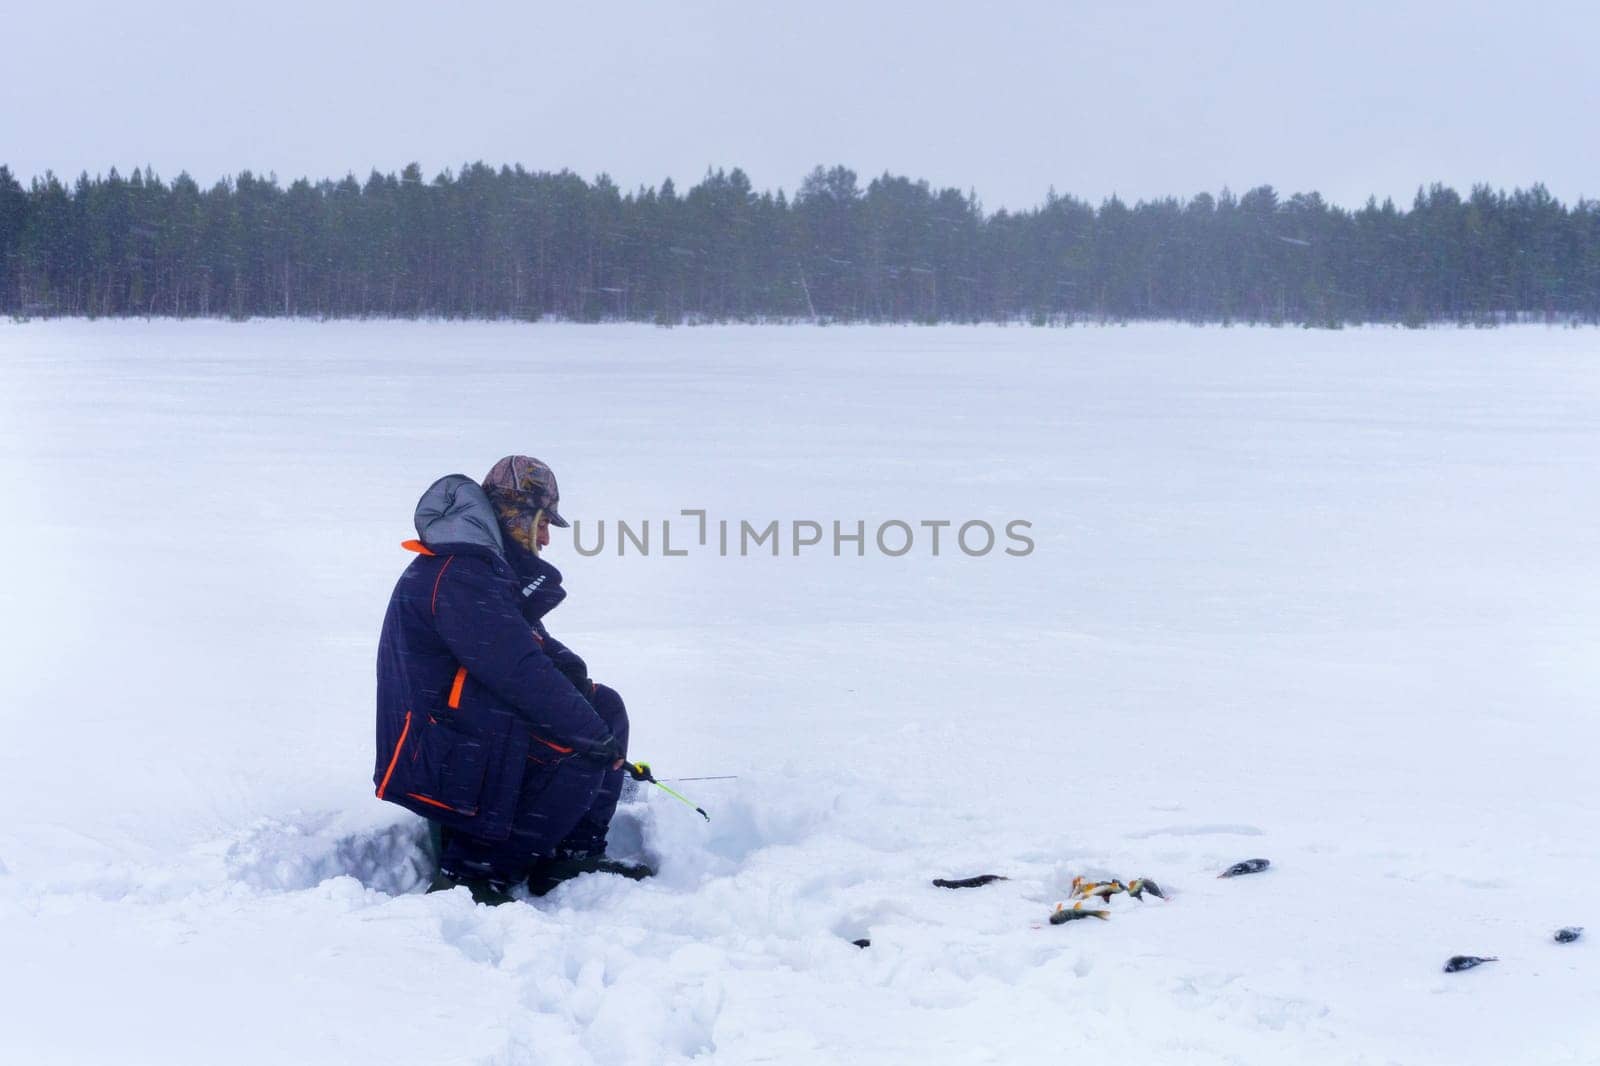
[
  {"x": 489, "y": 893},
  {"x": 548, "y": 873}
]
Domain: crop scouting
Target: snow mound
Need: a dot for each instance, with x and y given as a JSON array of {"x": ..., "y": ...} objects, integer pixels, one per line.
[{"x": 303, "y": 851}]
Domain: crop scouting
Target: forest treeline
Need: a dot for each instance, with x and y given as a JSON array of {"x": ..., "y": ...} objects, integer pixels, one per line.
[{"x": 512, "y": 243}]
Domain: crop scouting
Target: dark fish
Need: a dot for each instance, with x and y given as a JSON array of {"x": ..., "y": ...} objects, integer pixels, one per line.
[
  {"x": 967, "y": 882},
  {"x": 1083, "y": 888},
  {"x": 1063, "y": 915},
  {"x": 862, "y": 943},
  {"x": 1103, "y": 889},
  {"x": 1249, "y": 866},
  {"x": 1569, "y": 934},
  {"x": 1458, "y": 963},
  {"x": 1140, "y": 885}
]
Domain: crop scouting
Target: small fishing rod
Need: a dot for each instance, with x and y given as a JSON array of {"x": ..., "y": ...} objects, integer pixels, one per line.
[{"x": 640, "y": 771}]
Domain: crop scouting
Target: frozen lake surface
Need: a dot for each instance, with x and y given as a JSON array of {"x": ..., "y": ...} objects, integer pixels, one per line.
[{"x": 1325, "y": 598}]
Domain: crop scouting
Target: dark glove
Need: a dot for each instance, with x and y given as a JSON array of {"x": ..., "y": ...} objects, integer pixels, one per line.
[
  {"x": 606, "y": 750},
  {"x": 569, "y": 662},
  {"x": 578, "y": 674}
]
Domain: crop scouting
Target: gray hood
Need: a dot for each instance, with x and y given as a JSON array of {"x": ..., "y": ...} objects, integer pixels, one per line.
[{"x": 455, "y": 510}]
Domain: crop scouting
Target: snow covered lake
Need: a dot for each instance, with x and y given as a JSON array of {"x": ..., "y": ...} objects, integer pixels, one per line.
[{"x": 1324, "y": 598}]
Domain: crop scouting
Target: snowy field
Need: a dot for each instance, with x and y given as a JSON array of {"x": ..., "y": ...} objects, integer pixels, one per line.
[{"x": 1324, "y": 598}]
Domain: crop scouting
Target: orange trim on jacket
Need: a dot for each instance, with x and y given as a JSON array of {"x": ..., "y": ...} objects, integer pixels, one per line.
[
  {"x": 396, "y": 756},
  {"x": 455, "y": 689},
  {"x": 433, "y": 604},
  {"x": 416, "y": 546},
  {"x": 554, "y": 746},
  {"x": 430, "y": 801}
]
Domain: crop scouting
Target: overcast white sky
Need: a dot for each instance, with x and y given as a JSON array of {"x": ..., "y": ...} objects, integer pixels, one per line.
[{"x": 1140, "y": 99}]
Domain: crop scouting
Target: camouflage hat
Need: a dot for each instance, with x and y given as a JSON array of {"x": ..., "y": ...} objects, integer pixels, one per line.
[{"x": 520, "y": 483}]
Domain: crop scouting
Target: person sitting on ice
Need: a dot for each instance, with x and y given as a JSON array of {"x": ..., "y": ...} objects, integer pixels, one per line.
[{"x": 488, "y": 726}]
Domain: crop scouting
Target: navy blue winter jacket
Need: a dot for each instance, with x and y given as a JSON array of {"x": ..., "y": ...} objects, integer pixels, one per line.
[{"x": 466, "y": 688}]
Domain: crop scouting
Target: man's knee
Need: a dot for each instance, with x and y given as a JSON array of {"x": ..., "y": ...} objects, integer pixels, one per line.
[{"x": 552, "y": 804}]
